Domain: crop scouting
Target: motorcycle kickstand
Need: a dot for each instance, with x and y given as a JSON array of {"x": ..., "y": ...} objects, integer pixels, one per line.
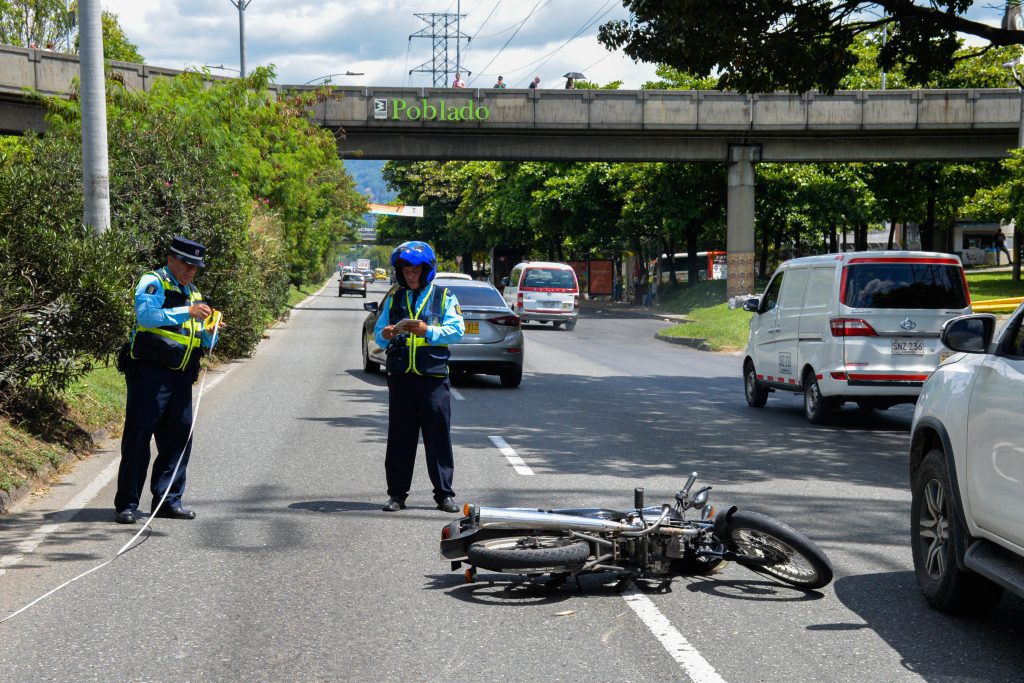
[{"x": 623, "y": 583}]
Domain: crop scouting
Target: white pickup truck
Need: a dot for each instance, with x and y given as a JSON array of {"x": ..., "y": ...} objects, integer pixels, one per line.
[{"x": 967, "y": 468}]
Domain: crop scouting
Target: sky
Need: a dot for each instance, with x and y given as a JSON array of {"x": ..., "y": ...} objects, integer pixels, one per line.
[{"x": 308, "y": 40}]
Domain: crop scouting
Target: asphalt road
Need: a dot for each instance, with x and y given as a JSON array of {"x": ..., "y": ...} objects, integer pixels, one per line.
[{"x": 291, "y": 572}]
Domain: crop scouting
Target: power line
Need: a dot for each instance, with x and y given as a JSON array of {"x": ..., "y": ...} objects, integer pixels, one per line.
[
  {"x": 523, "y": 22},
  {"x": 481, "y": 26},
  {"x": 593, "y": 19}
]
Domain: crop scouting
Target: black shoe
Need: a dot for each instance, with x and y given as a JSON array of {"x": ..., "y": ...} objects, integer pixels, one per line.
[
  {"x": 125, "y": 516},
  {"x": 393, "y": 505},
  {"x": 175, "y": 513},
  {"x": 448, "y": 505}
]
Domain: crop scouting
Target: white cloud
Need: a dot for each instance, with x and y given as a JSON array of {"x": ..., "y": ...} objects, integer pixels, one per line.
[{"x": 305, "y": 40}]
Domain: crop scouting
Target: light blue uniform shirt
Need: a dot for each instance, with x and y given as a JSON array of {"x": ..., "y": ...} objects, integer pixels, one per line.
[
  {"x": 450, "y": 330},
  {"x": 149, "y": 298}
]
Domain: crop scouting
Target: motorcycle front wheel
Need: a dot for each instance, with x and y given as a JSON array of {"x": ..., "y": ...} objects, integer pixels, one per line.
[
  {"x": 534, "y": 553},
  {"x": 767, "y": 546}
]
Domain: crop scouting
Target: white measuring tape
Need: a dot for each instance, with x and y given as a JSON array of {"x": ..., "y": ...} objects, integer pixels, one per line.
[{"x": 127, "y": 546}]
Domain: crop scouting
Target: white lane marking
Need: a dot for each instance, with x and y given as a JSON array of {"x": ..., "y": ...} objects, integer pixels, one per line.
[
  {"x": 693, "y": 664},
  {"x": 74, "y": 506},
  {"x": 517, "y": 463},
  {"x": 456, "y": 395},
  {"x": 312, "y": 296}
]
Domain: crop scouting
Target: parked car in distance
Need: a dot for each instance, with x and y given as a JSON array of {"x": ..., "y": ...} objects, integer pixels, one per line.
[
  {"x": 967, "y": 468},
  {"x": 492, "y": 345},
  {"x": 543, "y": 291},
  {"x": 860, "y": 326},
  {"x": 352, "y": 283}
]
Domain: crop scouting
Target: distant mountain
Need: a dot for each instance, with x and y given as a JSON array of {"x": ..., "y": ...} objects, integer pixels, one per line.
[{"x": 367, "y": 174}]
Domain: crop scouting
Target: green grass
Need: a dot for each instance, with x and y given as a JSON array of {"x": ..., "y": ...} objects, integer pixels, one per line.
[
  {"x": 993, "y": 285},
  {"x": 726, "y": 330},
  {"x": 298, "y": 294},
  {"x": 23, "y": 456},
  {"x": 710, "y": 318}
]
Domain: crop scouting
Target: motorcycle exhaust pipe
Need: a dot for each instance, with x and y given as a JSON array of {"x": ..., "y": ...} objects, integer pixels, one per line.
[{"x": 512, "y": 518}]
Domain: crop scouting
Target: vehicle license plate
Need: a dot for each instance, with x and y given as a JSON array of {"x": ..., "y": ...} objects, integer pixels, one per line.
[
  {"x": 472, "y": 327},
  {"x": 907, "y": 347},
  {"x": 549, "y": 304}
]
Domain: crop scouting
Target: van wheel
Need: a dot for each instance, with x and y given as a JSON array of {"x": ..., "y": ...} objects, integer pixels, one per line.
[
  {"x": 817, "y": 408},
  {"x": 756, "y": 392},
  {"x": 570, "y": 325}
]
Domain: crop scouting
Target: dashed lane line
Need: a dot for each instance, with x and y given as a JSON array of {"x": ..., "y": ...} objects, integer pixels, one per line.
[
  {"x": 517, "y": 463},
  {"x": 456, "y": 395}
]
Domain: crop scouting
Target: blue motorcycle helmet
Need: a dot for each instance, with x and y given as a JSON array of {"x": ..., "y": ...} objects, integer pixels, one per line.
[{"x": 414, "y": 254}]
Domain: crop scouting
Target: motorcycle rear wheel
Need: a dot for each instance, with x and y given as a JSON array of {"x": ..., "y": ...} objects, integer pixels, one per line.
[
  {"x": 535, "y": 553},
  {"x": 795, "y": 558}
]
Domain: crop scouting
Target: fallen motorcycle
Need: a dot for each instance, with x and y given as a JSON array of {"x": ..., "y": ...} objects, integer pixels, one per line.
[{"x": 643, "y": 543}]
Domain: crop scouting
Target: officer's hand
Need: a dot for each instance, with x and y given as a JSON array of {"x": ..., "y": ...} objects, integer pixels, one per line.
[
  {"x": 388, "y": 332},
  {"x": 199, "y": 311},
  {"x": 418, "y": 327}
]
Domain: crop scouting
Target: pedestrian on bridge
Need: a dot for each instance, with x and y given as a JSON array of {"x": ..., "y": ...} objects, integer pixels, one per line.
[
  {"x": 415, "y": 326},
  {"x": 161, "y": 362},
  {"x": 535, "y": 84},
  {"x": 458, "y": 82}
]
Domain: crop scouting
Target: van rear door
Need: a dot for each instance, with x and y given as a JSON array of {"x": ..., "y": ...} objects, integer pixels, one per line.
[
  {"x": 892, "y": 310},
  {"x": 548, "y": 290}
]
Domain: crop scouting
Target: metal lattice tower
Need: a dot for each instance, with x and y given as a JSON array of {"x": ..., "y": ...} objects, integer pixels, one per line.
[{"x": 441, "y": 29}]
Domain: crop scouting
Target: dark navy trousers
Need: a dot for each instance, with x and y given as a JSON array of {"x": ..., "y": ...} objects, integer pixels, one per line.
[
  {"x": 159, "y": 405},
  {"x": 419, "y": 404}
]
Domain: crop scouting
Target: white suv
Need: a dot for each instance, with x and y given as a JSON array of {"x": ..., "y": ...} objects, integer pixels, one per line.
[{"x": 967, "y": 468}]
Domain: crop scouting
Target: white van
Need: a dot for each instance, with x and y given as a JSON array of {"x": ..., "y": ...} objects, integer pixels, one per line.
[
  {"x": 543, "y": 291},
  {"x": 860, "y": 326}
]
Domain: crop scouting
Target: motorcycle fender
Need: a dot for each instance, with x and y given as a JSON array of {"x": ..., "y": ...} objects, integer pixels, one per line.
[
  {"x": 454, "y": 547},
  {"x": 721, "y": 520}
]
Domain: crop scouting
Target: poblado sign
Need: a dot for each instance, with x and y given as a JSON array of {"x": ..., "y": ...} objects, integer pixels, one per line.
[{"x": 404, "y": 110}]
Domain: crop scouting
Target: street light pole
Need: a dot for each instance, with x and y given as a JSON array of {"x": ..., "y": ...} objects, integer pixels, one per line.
[
  {"x": 95, "y": 171},
  {"x": 241, "y": 5}
]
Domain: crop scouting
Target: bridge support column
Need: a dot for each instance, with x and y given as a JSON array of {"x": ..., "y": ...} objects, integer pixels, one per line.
[{"x": 740, "y": 219}]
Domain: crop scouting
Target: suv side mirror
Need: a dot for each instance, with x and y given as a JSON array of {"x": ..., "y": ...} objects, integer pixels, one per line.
[
  {"x": 969, "y": 333},
  {"x": 751, "y": 305},
  {"x": 370, "y": 306}
]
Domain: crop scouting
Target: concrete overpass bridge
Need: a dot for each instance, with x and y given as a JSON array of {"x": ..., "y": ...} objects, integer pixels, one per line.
[{"x": 613, "y": 125}]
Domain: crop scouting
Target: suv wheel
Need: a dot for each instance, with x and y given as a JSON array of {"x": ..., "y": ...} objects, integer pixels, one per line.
[
  {"x": 756, "y": 392},
  {"x": 817, "y": 408},
  {"x": 935, "y": 535}
]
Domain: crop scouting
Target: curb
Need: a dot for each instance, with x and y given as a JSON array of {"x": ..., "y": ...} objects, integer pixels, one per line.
[{"x": 693, "y": 342}]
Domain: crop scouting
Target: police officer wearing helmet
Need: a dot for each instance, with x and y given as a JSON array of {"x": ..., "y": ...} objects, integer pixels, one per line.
[
  {"x": 415, "y": 326},
  {"x": 161, "y": 362}
]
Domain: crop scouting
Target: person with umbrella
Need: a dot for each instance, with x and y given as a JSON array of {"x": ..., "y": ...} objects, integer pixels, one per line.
[{"x": 571, "y": 78}]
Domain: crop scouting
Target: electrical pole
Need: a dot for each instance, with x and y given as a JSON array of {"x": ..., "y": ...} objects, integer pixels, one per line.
[
  {"x": 241, "y": 5},
  {"x": 442, "y": 28},
  {"x": 95, "y": 171}
]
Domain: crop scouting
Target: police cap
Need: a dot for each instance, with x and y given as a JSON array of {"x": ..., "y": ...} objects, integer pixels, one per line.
[{"x": 188, "y": 251}]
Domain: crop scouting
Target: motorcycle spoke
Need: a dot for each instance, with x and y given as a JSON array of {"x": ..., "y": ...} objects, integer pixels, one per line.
[{"x": 783, "y": 560}]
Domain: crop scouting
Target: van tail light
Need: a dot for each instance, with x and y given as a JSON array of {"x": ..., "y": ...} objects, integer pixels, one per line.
[
  {"x": 508, "y": 320},
  {"x": 519, "y": 299},
  {"x": 851, "y": 327},
  {"x": 841, "y": 376},
  {"x": 576, "y": 301}
]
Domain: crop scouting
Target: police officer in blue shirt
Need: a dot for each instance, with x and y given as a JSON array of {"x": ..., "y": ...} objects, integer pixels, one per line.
[
  {"x": 164, "y": 352},
  {"x": 415, "y": 326}
]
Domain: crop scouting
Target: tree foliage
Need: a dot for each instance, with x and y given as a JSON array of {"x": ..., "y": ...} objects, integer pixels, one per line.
[
  {"x": 798, "y": 45},
  {"x": 227, "y": 164}
]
